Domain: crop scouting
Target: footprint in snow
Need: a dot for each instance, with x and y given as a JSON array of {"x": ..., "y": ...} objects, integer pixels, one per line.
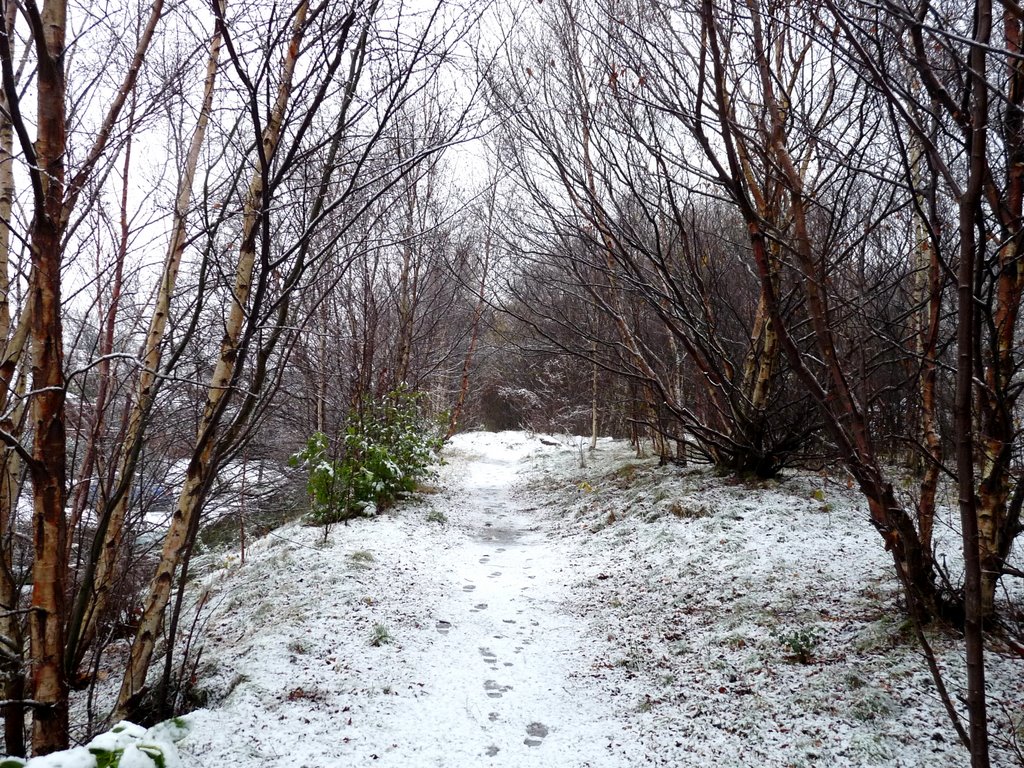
[
  {"x": 535, "y": 733},
  {"x": 495, "y": 575},
  {"x": 469, "y": 588},
  {"x": 480, "y": 606},
  {"x": 443, "y": 626},
  {"x": 492, "y": 751},
  {"x": 485, "y": 559},
  {"x": 489, "y": 655},
  {"x": 495, "y": 689}
]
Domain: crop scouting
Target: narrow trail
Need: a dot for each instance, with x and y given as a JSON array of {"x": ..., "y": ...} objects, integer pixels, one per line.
[{"x": 518, "y": 684}]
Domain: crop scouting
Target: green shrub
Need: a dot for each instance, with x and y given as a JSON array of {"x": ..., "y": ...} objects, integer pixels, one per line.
[
  {"x": 801, "y": 643},
  {"x": 124, "y": 744},
  {"x": 380, "y": 636},
  {"x": 387, "y": 449},
  {"x": 437, "y": 516},
  {"x": 322, "y": 484}
]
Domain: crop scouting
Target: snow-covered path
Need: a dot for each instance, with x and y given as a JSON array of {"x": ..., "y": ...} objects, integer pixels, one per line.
[
  {"x": 486, "y": 666},
  {"x": 516, "y": 682}
]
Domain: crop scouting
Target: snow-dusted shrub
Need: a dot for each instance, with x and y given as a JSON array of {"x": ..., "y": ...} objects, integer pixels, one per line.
[
  {"x": 323, "y": 471},
  {"x": 380, "y": 636},
  {"x": 801, "y": 643},
  {"x": 387, "y": 449},
  {"x": 126, "y": 745}
]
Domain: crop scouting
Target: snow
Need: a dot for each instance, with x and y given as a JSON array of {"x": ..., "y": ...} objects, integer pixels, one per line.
[
  {"x": 131, "y": 745},
  {"x": 77, "y": 757},
  {"x": 620, "y": 614},
  {"x": 484, "y": 666},
  {"x": 119, "y": 737}
]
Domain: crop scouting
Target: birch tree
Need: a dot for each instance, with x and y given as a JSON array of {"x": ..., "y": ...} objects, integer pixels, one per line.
[
  {"x": 100, "y": 574},
  {"x": 56, "y": 190},
  {"x": 328, "y": 111}
]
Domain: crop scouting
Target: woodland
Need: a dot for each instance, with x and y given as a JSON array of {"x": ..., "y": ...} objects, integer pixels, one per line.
[{"x": 281, "y": 251}]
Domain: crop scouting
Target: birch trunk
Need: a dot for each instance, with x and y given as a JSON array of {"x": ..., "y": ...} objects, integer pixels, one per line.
[
  {"x": 967, "y": 275},
  {"x": 94, "y": 596},
  {"x": 49, "y": 684},
  {"x": 217, "y": 397},
  {"x": 11, "y": 666},
  {"x": 998, "y": 404},
  {"x": 928, "y": 296},
  {"x": 593, "y": 402},
  {"x": 760, "y": 362}
]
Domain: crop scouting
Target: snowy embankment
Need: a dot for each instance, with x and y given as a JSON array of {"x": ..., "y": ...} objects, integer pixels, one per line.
[{"x": 533, "y": 613}]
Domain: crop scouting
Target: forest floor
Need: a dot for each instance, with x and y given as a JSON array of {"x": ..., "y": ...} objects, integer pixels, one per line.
[{"x": 532, "y": 612}]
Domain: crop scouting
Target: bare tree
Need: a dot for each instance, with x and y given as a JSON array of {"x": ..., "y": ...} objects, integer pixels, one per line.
[
  {"x": 55, "y": 194},
  {"x": 276, "y": 258}
]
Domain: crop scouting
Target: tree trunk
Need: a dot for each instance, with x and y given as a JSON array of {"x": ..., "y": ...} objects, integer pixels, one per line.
[
  {"x": 594, "y": 370},
  {"x": 11, "y": 666},
  {"x": 49, "y": 684},
  {"x": 928, "y": 282},
  {"x": 218, "y": 395},
  {"x": 969, "y": 205},
  {"x": 998, "y": 398},
  {"x": 94, "y": 594}
]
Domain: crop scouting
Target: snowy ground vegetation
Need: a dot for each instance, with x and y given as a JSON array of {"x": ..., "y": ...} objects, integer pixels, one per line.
[{"x": 526, "y": 611}]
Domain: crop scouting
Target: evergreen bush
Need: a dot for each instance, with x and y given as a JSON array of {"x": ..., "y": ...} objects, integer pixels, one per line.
[{"x": 388, "y": 448}]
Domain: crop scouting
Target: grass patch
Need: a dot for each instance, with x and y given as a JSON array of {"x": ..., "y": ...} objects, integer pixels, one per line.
[
  {"x": 380, "y": 636},
  {"x": 685, "y": 510},
  {"x": 361, "y": 558},
  {"x": 437, "y": 516},
  {"x": 625, "y": 476}
]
